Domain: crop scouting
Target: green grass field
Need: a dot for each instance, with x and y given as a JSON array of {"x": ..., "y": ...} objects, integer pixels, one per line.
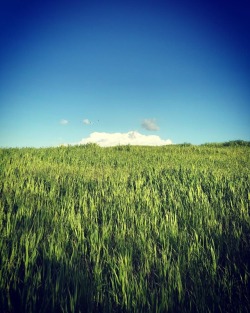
[{"x": 125, "y": 229}]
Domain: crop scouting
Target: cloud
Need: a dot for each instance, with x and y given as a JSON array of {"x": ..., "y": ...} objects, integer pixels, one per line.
[
  {"x": 150, "y": 124},
  {"x": 130, "y": 138},
  {"x": 86, "y": 121},
  {"x": 64, "y": 122}
]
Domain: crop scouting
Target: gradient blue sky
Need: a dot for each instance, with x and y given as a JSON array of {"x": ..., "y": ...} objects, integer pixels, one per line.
[{"x": 185, "y": 64}]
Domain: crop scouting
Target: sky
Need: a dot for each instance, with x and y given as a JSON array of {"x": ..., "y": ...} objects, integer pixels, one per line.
[{"x": 124, "y": 72}]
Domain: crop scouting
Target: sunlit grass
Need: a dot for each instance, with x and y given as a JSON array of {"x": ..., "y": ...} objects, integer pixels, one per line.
[{"x": 125, "y": 229}]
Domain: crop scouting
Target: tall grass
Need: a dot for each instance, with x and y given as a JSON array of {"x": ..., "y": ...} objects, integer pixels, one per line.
[{"x": 125, "y": 229}]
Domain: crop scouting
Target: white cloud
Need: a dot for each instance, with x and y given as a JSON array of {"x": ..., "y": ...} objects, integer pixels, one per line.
[
  {"x": 150, "y": 124},
  {"x": 64, "y": 122},
  {"x": 86, "y": 121},
  {"x": 130, "y": 138}
]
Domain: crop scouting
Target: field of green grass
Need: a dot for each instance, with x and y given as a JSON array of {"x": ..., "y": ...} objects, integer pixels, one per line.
[{"x": 125, "y": 229}]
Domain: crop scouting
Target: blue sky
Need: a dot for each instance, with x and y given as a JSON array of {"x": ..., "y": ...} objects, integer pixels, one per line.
[{"x": 178, "y": 70}]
